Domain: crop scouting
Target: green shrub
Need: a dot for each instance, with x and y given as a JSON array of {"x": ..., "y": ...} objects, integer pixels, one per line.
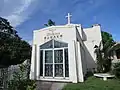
[
  {"x": 21, "y": 85},
  {"x": 20, "y": 80}
]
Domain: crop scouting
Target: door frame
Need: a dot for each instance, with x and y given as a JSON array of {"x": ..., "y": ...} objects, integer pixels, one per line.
[{"x": 53, "y": 49}]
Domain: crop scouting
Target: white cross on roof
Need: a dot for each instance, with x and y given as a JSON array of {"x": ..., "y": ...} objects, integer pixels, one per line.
[{"x": 68, "y": 17}]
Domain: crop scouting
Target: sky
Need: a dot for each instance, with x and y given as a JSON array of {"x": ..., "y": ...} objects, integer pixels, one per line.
[{"x": 29, "y": 15}]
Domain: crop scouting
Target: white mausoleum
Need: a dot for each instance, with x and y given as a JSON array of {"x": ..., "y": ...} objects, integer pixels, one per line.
[{"x": 64, "y": 53}]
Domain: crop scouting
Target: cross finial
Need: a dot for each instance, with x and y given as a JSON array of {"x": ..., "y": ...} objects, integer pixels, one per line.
[{"x": 69, "y": 16}]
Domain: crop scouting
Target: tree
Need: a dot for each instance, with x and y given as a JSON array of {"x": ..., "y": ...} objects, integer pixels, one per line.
[
  {"x": 104, "y": 53},
  {"x": 50, "y": 23},
  {"x": 6, "y": 29},
  {"x": 13, "y": 50},
  {"x": 99, "y": 58},
  {"x": 108, "y": 42}
]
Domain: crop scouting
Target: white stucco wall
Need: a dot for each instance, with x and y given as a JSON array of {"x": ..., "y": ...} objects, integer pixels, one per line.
[
  {"x": 81, "y": 44},
  {"x": 93, "y": 38},
  {"x": 90, "y": 38},
  {"x": 69, "y": 36},
  {"x": 87, "y": 60}
]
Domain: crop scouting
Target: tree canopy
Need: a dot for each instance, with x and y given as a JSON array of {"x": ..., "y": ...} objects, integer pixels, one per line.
[
  {"x": 107, "y": 41},
  {"x": 50, "y": 23},
  {"x": 13, "y": 50},
  {"x": 103, "y": 55}
]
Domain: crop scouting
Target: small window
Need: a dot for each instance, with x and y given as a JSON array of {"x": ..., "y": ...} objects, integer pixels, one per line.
[
  {"x": 47, "y": 45},
  {"x": 58, "y": 44},
  {"x": 66, "y": 63},
  {"x": 58, "y": 56},
  {"x": 48, "y": 56},
  {"x": 41, "y": 62}
]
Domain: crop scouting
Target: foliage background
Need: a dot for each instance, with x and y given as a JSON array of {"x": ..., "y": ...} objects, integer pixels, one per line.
[{"x": 13, "y": 50}]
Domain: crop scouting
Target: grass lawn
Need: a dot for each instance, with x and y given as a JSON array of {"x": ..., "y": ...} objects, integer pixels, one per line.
[{"x": 93, "y": 83}]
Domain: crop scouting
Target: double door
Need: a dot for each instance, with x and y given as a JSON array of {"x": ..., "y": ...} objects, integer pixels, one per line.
[{"x": 54, "y": 63}]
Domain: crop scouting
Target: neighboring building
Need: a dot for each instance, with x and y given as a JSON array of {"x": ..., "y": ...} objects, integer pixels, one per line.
[
  {"x": 64, "y": 53},
  {"x": 116, "y": 53}
]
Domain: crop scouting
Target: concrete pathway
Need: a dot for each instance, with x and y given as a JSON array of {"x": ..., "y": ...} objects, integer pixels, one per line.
[{"x": 43, "y": 85}]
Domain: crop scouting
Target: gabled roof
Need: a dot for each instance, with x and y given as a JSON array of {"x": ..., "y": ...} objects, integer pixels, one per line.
[{"x": 57, "y": 26}]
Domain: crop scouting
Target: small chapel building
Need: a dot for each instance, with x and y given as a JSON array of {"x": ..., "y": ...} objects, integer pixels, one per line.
[{"x": 64, "y": 53}]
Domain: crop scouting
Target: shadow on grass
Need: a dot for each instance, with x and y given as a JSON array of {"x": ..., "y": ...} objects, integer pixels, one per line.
[{"x": 89, "y": 74}]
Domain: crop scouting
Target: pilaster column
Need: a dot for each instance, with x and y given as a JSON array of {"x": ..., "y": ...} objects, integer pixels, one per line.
[
  {"x": 79, "y": 64},
  {"x": 72, "y": 62},
  {"x": 38, "y": 62},
  {"x": 33, "y": 63}
]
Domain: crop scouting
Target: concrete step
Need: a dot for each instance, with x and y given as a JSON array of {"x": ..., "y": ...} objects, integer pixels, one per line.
[{"x": 42, "y": 85}]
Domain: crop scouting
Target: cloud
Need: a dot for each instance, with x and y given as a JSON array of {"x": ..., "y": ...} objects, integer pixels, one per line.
[
  {"x": 49, "y": 6},
  {"x": 30, "y": 42},
  {"x": 17, "y": 11}
]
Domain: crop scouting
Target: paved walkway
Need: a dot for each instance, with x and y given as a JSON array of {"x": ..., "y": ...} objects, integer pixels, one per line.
[{"x": 42, "y": 85}]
